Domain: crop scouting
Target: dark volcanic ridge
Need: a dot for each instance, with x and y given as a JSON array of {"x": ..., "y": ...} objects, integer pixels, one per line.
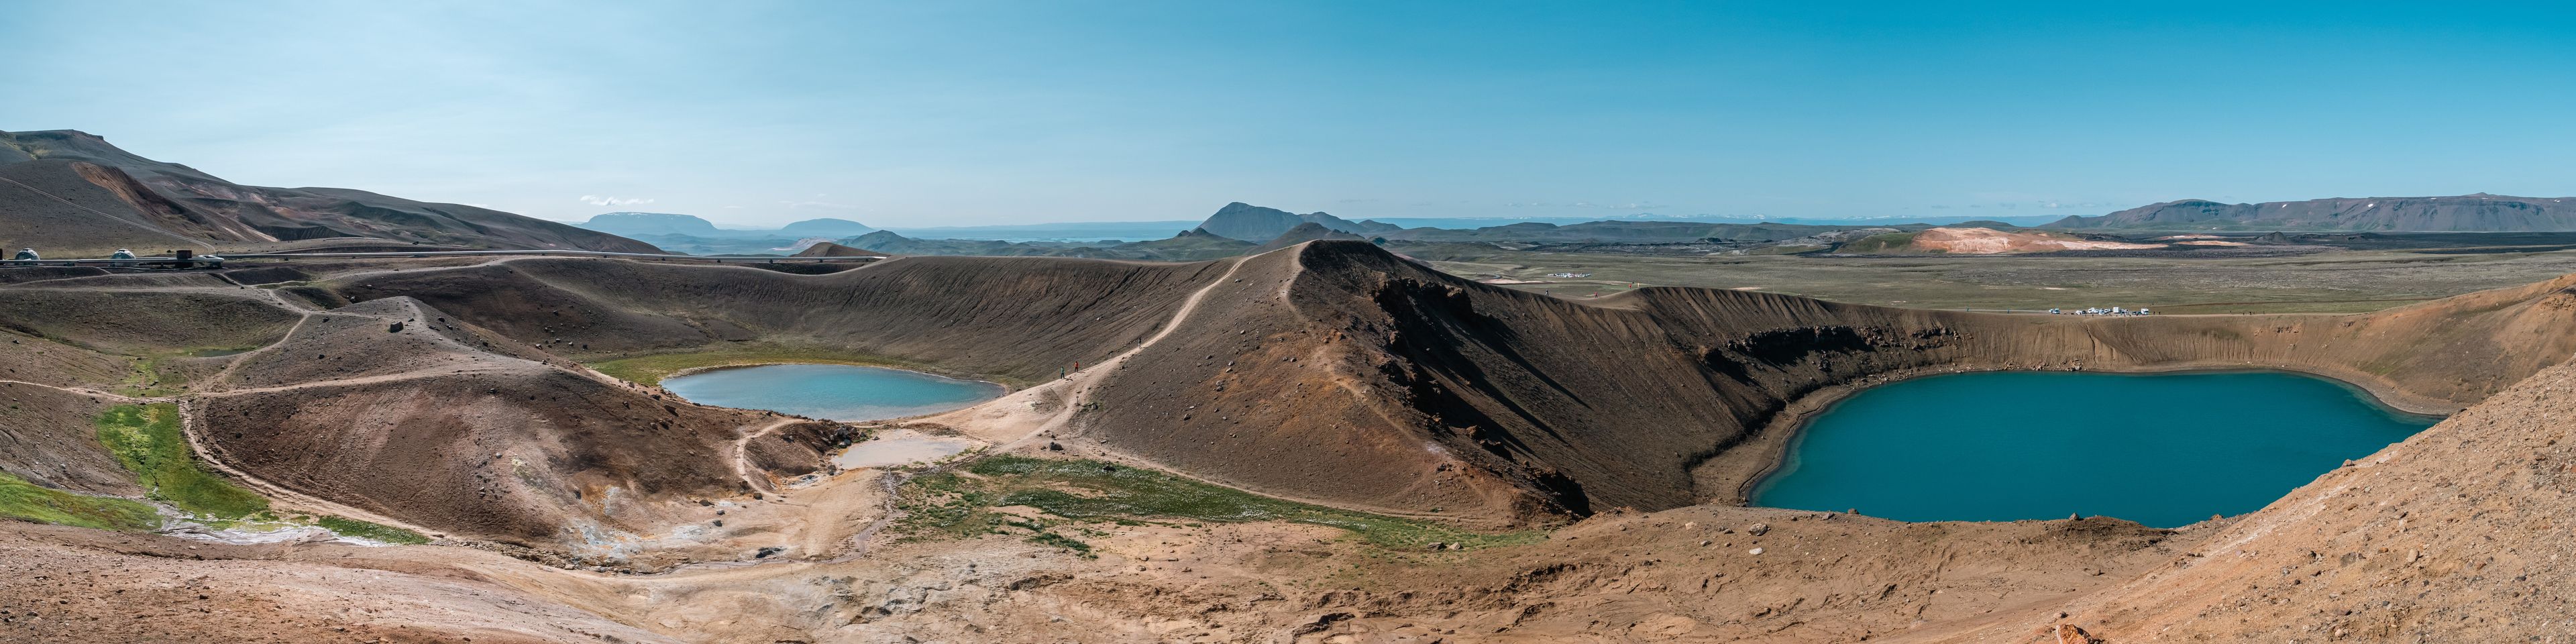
[
  {"x": 74, "y": 195},
  {"x": 2479, "y": 212}
]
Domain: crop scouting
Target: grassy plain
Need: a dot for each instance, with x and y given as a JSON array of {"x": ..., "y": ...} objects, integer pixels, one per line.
[
  {"x": 962, "y": 504},
  {"x": 2338, "y": 281}
]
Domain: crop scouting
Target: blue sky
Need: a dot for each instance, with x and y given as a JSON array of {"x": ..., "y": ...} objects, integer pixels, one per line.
[{"x": 960, "y": 113}]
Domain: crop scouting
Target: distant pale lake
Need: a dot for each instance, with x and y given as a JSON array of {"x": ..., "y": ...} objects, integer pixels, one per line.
[
  {"x": 836, "y": 392},
  {"x": 2160, "y": 449}
]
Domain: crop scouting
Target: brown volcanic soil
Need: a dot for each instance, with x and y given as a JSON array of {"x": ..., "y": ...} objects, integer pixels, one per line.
[
  {"x": 1330, "y": 372},
  {"x": 46, "y": 435},
  {"x": 1023, "y": 318},
  {"x": 1339, "y": 373},
  {"x": 73, "y": 585},
  {"x": 77, "y": 209},
  {"x": 425, "y": 425}
]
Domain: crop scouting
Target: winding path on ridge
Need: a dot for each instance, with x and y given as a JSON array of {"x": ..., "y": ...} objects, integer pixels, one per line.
[{"x": 1076, "y": 387}]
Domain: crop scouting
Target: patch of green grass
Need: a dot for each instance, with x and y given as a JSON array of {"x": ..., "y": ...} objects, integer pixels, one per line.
[
  {"x": 24, "y": 500},
  {"x": 153, "y": 377},
  {"x": 650, "y": 370},
  {"x": 1095, "y": 491},
  {"x": 945, "y": 503},
  {"x": 1060, "y": 541},
  {"x": 147, "y": 440},
  {"x": 348, "y": 527}
]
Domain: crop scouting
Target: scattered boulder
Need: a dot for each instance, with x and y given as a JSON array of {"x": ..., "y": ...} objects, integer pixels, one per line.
[{"x": 2070, "y": 634}]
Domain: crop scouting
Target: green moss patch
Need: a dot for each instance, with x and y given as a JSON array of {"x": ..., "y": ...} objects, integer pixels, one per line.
[
  {"x": 960, "y": 504},
  {"x": 348, "y": 527},
  {"x": 23, "y": 500},
  {"x": 147, "y": 440}
]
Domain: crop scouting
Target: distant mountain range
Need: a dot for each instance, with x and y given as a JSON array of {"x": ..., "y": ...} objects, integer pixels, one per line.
[
  {"x": 633, "y": 224},
  {"x": 1252, "y": 223},
  {"x": 2479, "y": 212},
  {"x": 72, "y": 193},
  {"x": 1190, "y": 245}
]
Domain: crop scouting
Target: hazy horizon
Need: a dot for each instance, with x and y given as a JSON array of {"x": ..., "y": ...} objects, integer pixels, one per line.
[{"x": 971, "y": 114}]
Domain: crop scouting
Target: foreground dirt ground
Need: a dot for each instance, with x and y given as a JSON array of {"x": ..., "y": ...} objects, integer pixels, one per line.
[{"x": 1619, "y": 577}]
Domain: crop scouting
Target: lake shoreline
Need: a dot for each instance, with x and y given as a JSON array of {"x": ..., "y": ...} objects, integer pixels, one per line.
[
  {"x": 837, "y": 392},
  {"x": 691, "y": 371},
  {"x": 1733, "y": 475}
]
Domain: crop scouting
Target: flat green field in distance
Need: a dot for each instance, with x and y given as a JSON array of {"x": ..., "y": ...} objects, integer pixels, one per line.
[{"x": 2341, "y": 281}]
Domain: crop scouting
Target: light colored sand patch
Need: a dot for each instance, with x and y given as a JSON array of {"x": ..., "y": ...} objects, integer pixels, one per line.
[
  {"x": 900, "y": 447},
  {"x": 257, "y": 533},
  {"x": 1988, "y": 241}
]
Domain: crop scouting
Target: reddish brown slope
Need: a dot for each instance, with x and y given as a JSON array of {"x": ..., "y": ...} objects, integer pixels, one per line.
[
  {"x": 78, "y": 209},
  {"x": 424, "y": 424}
]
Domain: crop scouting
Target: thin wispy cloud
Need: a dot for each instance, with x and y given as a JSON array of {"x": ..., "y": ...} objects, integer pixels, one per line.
[
  {"x": 1625, "y": 205},
  {"x": 597, "y": 200}
]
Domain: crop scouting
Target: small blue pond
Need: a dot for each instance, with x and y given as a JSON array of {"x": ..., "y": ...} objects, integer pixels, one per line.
[
  {"x": 2160, "y": 449},
  {"x": 837, "y": 392}
]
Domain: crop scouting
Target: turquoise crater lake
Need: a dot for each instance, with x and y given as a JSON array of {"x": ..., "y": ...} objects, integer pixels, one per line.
[
  {"x": 836, "y": 392},
  {"x": 2160, "y": 449}
]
